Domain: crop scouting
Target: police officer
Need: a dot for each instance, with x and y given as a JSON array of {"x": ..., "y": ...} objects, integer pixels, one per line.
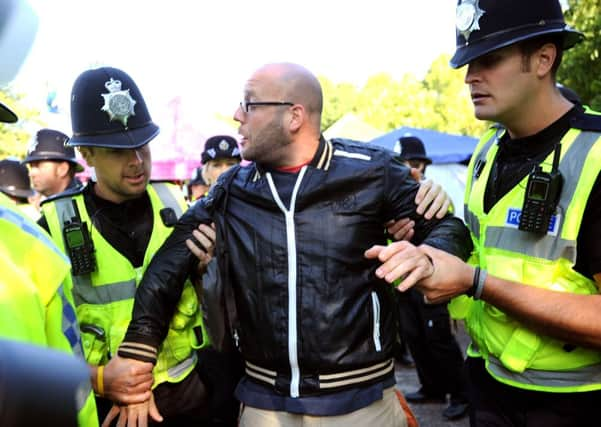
[
  {"x": 35, "y": 305},
  {"x": 427, "y": 327},
  {"x": 14, "y": 183},
  {"x": 111, "y": 230},
  {"x": 197, "y": 187},
  {"x": 52, "y": 165},
  {"x": 220, "y": 153},
  {"x": 532, "y": 303}
]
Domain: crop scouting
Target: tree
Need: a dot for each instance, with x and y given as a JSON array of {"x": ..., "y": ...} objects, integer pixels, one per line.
[
  {"x": 14, "y": 137},
  {"x": 339, "y": 99},
  {"x": 581, "y": 68}
]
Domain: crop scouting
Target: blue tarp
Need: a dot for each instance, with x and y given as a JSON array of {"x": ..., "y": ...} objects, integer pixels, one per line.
[{"x": 440, "y": 147}]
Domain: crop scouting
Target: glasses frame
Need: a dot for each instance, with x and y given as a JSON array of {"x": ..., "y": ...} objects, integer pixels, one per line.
[{"x": 245, "y": 105}]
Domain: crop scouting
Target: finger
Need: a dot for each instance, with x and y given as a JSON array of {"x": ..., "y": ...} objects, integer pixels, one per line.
[
  {"x": 436, "y": 205},
  {"x": 406, "y": 232},
  {"x": 444, "y": 209},
  {"x": 394, "y": 226},
  {"x": 123, "y": 418},
  {"x": 134, "y": 418},
  {"x": 204, "y": 241},
  {"x": 374, "y": 251},
  {"x": 195, "y": 249},
  {"x": 432, "y": 193},
  {"x": 132, "y": 398},
  {"x": 208, "y": 230},
  {"x": 111, "y": 416},
  {"x": 154, "y": 411},
  {"x": 424, "y": 188}
]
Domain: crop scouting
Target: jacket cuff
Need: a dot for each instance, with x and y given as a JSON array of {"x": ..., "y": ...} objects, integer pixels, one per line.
[{"x": 138, "y": 351}]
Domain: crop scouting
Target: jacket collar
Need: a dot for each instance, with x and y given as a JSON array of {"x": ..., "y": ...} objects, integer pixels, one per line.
[{"x": 321, "y": 160}]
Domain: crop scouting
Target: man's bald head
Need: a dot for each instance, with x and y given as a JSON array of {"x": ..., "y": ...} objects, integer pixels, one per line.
[{"x": 294, "y": 83}]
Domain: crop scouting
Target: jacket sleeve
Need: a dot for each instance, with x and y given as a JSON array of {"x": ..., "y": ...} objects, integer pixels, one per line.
[
  {"x": 448, "y": 234},
  {"x": 161, "y": 288}
]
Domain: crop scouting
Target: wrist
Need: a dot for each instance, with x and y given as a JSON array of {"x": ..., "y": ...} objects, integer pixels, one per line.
[{"x": 478, "y": 279}]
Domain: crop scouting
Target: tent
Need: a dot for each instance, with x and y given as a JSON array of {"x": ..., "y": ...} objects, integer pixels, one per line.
[
  {"x": 449, "y": 154},
  {"x": 352, "y": 127},
  {"x": 440, "y": 147}
]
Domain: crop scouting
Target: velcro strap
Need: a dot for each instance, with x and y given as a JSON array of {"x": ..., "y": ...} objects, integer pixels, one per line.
[{"x": 520, "y": 350}]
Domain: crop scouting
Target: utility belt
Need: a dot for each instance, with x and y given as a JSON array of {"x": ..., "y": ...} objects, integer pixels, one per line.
[{"x": 315, "y": 383}]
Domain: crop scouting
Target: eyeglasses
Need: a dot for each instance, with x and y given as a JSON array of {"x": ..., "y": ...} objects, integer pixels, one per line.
[{"x": 245, "y": 105}]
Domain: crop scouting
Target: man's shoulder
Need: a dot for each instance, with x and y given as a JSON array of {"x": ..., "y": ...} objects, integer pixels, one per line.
[
  {"x": 348, "y": 148},
  {"x": 589, "y": 121},
  {"x": 68, "y": 193}
]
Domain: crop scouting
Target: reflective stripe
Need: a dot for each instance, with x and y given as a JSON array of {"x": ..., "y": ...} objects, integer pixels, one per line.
[
  {"x": 544, "y": 247},
  {"x": 588, "y": 375},
  {"x": 327, "y": 381},
  {"x": 472, "y": 221},
  {"x": 69, "y": 324},
  {"x": 85, "y": 293},
  {"x": 180, "y": 368},
  {"x": 292, "y": 273},
  {"x": 352, "y": 155},
  {"x": 167, "y": 198},
  {"x": 81, "y": 394},
  {"x": 30, "y": 228}
]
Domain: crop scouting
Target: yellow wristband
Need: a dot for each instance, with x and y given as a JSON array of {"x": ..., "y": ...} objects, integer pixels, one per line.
[{"x": 100, "y": 380}]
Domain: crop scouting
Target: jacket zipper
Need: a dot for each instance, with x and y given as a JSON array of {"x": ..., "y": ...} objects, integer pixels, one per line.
[
  {"x": 375, "y": 302},
  {"x": 292, "y": 276}
]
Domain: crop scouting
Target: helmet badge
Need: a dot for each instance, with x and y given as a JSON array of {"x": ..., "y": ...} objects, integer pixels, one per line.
[
  {"x": 118, "y": 104},
  {"x": 224, "y": 145},
  {"x": 467, "y": 18}
]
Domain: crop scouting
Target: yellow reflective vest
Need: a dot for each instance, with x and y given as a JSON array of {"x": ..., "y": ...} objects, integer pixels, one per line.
[
  {"x": 104, "y": 298},
  {"x": 514, "y": 354},
  {"x": 35, "y": 306}
]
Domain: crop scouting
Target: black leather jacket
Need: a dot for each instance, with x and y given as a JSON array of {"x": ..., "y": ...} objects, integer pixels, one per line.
[{"x": 311, "y": 310}]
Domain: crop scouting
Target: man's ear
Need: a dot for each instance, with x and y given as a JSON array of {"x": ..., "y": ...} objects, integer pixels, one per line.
[
  {"x": 298, "y": 115},
  {"x": 63, "y": 169},
  {"x": 545, "y": 58}
]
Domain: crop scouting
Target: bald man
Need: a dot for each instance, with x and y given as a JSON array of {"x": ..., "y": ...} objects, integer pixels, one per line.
[{"x": 311, "y": 320}]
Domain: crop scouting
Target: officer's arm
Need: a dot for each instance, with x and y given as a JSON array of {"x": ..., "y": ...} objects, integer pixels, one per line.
[{"x": 161, "y": 289}]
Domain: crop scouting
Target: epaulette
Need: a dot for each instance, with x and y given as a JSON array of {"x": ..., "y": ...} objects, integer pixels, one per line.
[
  {"x": 67, "y": 193},
  {"x": 587, "y": 122}
]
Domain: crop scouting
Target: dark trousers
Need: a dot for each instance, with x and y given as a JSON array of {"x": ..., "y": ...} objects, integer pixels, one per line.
[
  {"x": 433, "y": 346},
  {"x": 494, "y": 404}
]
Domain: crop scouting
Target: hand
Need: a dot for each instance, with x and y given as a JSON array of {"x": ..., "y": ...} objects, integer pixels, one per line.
[
  {"x": 134, "y": 415},
  {"x": 205, "y": 235},
  {"x": 401, "y": 260},
  {"x": 127, "y": 380},
  {"x": 431, "y": 196},
  {"x": 451, "y": 276},
  {"x": 401, "y": 229}
]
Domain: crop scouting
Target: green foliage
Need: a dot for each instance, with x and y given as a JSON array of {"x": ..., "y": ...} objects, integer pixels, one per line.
[
  {"x": 581, "y": 67},
  {"x": 14, "y": 137},
  {"x": 439, "y": 102}
]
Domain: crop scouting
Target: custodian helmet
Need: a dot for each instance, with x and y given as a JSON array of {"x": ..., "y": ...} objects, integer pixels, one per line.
[
  {"x": 14, "y": 179},
  {"x": 49, "y": 144},
  {"x": 108, "y": 110},
  {"x": 486, "y": 25}
]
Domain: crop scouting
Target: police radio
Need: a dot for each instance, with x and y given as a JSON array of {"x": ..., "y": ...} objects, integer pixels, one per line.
[
  {"x": 542, "y": 196},
  {"x": 79, "y": 245}
]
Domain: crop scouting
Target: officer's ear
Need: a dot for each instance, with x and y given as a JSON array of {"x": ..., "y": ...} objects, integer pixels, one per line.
[
  {"x": 545, "y": 58},
  {"x": 63, "y": 169}
]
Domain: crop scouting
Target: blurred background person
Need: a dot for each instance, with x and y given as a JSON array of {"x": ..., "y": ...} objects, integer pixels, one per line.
[
  {"x": 52, "y": 166},
  {"x": 220, "y": 153},
  {"x": 14, "y": 183},
  {"x": 426, "y": 328},
  {"x": 197, "y": 187}
]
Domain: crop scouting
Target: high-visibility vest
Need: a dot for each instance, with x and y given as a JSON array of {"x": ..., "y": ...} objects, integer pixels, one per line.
[
  {"x": 105, "y": 297},
  {"x": 35, "y": 306},
  {"x": 514, "y": 354}
]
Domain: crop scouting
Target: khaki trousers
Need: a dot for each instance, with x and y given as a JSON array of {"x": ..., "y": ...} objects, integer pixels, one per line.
[{"x": 386, "y": 412}]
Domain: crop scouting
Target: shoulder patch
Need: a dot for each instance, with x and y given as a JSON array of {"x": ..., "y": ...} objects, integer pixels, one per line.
[{"x": 587, "y": 122}]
